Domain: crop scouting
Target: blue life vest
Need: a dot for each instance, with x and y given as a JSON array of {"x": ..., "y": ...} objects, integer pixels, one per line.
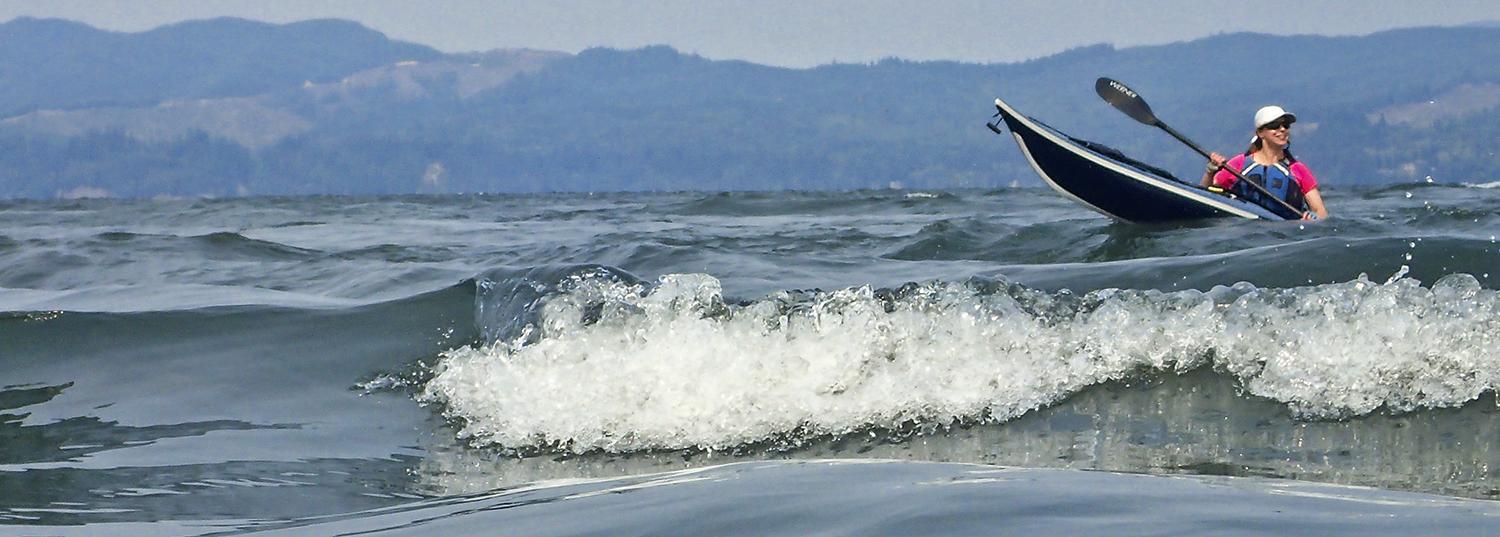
[{"x": 1277, "y": 179}]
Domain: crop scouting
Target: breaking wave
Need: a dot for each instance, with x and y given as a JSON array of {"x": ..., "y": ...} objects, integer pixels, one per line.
[{"x": 593, "y": 359}]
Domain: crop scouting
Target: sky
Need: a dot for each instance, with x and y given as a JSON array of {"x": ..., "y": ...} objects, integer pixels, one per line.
[{"x": 795, "y": 33}]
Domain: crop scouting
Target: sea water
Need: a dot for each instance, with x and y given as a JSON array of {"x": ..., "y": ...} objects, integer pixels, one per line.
[{"x": 871, "y": 363}]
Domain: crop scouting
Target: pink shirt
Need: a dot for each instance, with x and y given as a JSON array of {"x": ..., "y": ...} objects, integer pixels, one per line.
[{"x": 1304, "y": 177}]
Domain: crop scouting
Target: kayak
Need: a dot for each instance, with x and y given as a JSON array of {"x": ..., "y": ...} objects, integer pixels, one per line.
[{"x": 1105, "y": 180}]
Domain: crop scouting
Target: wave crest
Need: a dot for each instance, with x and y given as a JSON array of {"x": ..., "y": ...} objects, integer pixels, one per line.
[{"x": 604, "y": 362}]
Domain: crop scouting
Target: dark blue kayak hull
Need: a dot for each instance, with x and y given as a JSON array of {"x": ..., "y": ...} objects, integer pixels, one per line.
[{"x": 1119, "y": 189}]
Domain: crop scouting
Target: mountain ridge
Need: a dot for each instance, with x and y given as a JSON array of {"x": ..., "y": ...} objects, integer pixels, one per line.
[
  {"x": 56, "y": 64},
  {"x": 380, "y": 115}
]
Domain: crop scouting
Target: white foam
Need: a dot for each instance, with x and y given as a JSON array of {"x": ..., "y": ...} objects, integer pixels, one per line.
[{"x": 672, "y": 366}]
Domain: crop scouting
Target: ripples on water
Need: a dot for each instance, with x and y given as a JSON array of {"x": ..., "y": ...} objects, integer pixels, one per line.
[{"x": 328, "y": 365}]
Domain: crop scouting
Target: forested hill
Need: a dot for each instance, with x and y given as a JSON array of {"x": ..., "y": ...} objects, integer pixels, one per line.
[
  {"x": 231, "y": 107},
  {"x": 50, "y": 63}
]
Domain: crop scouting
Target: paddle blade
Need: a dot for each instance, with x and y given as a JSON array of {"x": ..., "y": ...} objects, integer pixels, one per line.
[{"x": 1125, "y": 100}]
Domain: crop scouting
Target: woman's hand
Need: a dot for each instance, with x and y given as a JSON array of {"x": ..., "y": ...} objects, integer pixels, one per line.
[{"x": 1215, "y": 161}]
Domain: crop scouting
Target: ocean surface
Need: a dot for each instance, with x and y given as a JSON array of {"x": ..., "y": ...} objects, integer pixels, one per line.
[{"x": 848, "y": 363}]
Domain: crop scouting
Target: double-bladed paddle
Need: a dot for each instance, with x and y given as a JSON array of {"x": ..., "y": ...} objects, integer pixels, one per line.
[{"x": 1128, "y": 101}]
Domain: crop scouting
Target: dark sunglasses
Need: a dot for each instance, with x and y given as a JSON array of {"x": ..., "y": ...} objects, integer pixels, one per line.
[{"x": 1277, "y": 124}]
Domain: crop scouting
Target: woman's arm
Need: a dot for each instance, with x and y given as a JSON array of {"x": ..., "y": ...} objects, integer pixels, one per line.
[
  {"x": 1315, "y": 203},
  {"x": 1309, "y": 184}
]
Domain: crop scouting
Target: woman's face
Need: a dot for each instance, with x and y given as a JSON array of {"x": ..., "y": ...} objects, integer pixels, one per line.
[{"x": 1278, "y": 133}]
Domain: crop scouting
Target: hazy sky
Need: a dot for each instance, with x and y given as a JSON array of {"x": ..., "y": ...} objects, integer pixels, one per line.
[{"x": 795, "y": 33}]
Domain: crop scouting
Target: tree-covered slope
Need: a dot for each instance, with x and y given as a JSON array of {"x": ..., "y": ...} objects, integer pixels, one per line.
[{"x": 656, "y": 119}]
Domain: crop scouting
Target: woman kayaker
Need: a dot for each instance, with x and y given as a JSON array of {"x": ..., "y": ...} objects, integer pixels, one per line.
[{"x": 1270, "y": 164}]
